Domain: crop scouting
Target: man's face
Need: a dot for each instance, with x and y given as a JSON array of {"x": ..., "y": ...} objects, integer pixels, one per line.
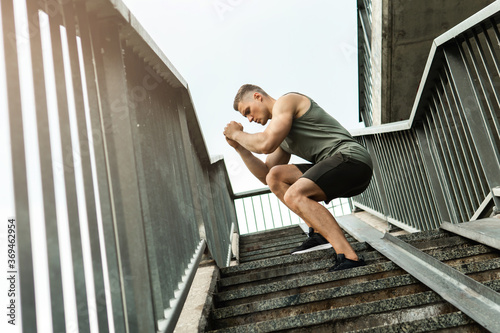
[{"x": 253, "y": 109}]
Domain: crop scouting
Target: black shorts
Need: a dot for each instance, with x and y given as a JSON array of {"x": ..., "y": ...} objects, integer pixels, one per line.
[{"x": 338, "y": 176}]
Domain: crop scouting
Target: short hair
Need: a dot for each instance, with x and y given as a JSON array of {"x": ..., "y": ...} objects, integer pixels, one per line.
[{"x": 244, "y": 90}]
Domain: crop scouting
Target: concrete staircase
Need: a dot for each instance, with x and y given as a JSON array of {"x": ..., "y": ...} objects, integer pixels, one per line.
[{"x": 272, "y": 290}]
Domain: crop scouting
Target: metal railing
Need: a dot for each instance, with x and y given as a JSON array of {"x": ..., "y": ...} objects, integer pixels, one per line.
[
  {"x": 364, "y": 61},
  {"x": 115, "y": 195},
  {"x": 443, "y": 164},
  {"x": 261, "y": 210}
]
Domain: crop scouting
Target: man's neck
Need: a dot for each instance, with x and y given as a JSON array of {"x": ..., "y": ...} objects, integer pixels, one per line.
[{"x": 270, "y": 104}]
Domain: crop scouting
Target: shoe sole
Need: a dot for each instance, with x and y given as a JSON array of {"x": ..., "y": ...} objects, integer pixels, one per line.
[{"x": 316, "y": 248}]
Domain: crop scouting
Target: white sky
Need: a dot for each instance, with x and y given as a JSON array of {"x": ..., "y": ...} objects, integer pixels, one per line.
[{"x": 280, "y": 45}]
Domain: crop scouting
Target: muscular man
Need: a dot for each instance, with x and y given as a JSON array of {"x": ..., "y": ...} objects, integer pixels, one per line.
[{"x": 340, "y": 166}]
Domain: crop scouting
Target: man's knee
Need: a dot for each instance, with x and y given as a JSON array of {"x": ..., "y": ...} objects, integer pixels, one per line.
[
  {"x": 293, "y": 196},
  {"x": 274, "y": 177}
]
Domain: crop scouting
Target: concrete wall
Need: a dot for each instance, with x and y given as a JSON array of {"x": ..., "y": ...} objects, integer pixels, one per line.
[{"x": 402, "y": 34}]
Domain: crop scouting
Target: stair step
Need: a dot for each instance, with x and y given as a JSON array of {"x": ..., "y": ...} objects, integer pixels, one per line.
[
  {"x": 323, "y": 279},
  {"x": 264, "y": 236},
  {"x": 330, "y": 295},
  {"x": 275, "y": 291},
  {"x": 328, "y": 280},
  {"x": 457, "y": 248},
  {"x": 384, "y": 287},
  {"x": 281, "y": 261},
  {"x": 457, "y": 321},
  {"x": 287, "y": 240},
  {"x": 270, "y": 279},
  {"x": 348, "y": 317},
  {"x": 280, "y": 250}
]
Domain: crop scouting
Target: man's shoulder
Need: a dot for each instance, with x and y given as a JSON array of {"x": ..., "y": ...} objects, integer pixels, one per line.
[
  {"x": 294, "y": 102},
  {"x": 293, "y": 96}
]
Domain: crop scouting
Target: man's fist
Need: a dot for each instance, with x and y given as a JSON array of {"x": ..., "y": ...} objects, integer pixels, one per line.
[{"x": 232, "y": 128}]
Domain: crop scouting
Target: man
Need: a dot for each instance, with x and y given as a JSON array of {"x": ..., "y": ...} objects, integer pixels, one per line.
[{"x": 340, "y": 166}]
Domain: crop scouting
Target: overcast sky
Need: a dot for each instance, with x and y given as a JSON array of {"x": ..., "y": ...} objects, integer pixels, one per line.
[{"x": 280, "y": 45}]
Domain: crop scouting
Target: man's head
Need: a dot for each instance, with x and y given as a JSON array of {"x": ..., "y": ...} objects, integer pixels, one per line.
[
  {"x": 246, "y": 91},
  {"x": 248, "y": 101}
]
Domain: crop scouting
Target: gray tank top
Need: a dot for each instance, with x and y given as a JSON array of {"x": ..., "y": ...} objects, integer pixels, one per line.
[{"x": 316, "y": 135}]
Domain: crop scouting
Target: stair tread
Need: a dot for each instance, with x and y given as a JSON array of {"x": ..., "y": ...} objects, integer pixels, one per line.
[
  {"x": 274, "y": 290},
  {"x": 319, "y": 317},
  {"x": 432, "y": 323},
  {"x": 301, "y": 297}
]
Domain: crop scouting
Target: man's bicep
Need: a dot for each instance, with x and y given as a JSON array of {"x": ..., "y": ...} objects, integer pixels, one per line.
[
  {"x": 281, "y": 123},
  {"x": 279, "y": 127},
  {"x": 278, "y": 157}
]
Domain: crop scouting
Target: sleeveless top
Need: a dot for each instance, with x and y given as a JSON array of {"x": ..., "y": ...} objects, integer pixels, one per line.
[{"x": 316, "y": 135}]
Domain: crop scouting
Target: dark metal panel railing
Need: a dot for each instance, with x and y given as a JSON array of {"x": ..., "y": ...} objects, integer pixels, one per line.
[
  {"x": 116, "y": 198},
  {"x": 443, "y": 163}
]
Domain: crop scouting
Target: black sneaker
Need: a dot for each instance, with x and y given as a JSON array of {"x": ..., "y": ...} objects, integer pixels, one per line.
[
  {"x": 344, "y": 263},
  {"x": 313, "y": 243}
]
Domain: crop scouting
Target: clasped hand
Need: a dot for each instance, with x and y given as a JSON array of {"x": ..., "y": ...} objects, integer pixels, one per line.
[
  {"x": 232, "y": 128},
  {"x": 229, "y": 130}
]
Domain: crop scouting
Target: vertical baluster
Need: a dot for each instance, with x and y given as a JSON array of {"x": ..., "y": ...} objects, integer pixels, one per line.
[
  {"x": 481, "y": 133},
  {"x": 86, "y": 172},
  {"x": 53, "y": 250},
  {"x": 68, "y": 144},
  {"x": 451, "y": 157},
  {"x": 23, "y": 234},
  {"x": 470, "y": 151}
]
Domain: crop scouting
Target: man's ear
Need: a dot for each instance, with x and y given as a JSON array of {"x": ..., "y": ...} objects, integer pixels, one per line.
[{"x": 257, "y": 96}]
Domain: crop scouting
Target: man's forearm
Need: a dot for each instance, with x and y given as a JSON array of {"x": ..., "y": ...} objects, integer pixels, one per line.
[
  {"x": 255, "y": 142},
  {"x": 258, "y": 168}
]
